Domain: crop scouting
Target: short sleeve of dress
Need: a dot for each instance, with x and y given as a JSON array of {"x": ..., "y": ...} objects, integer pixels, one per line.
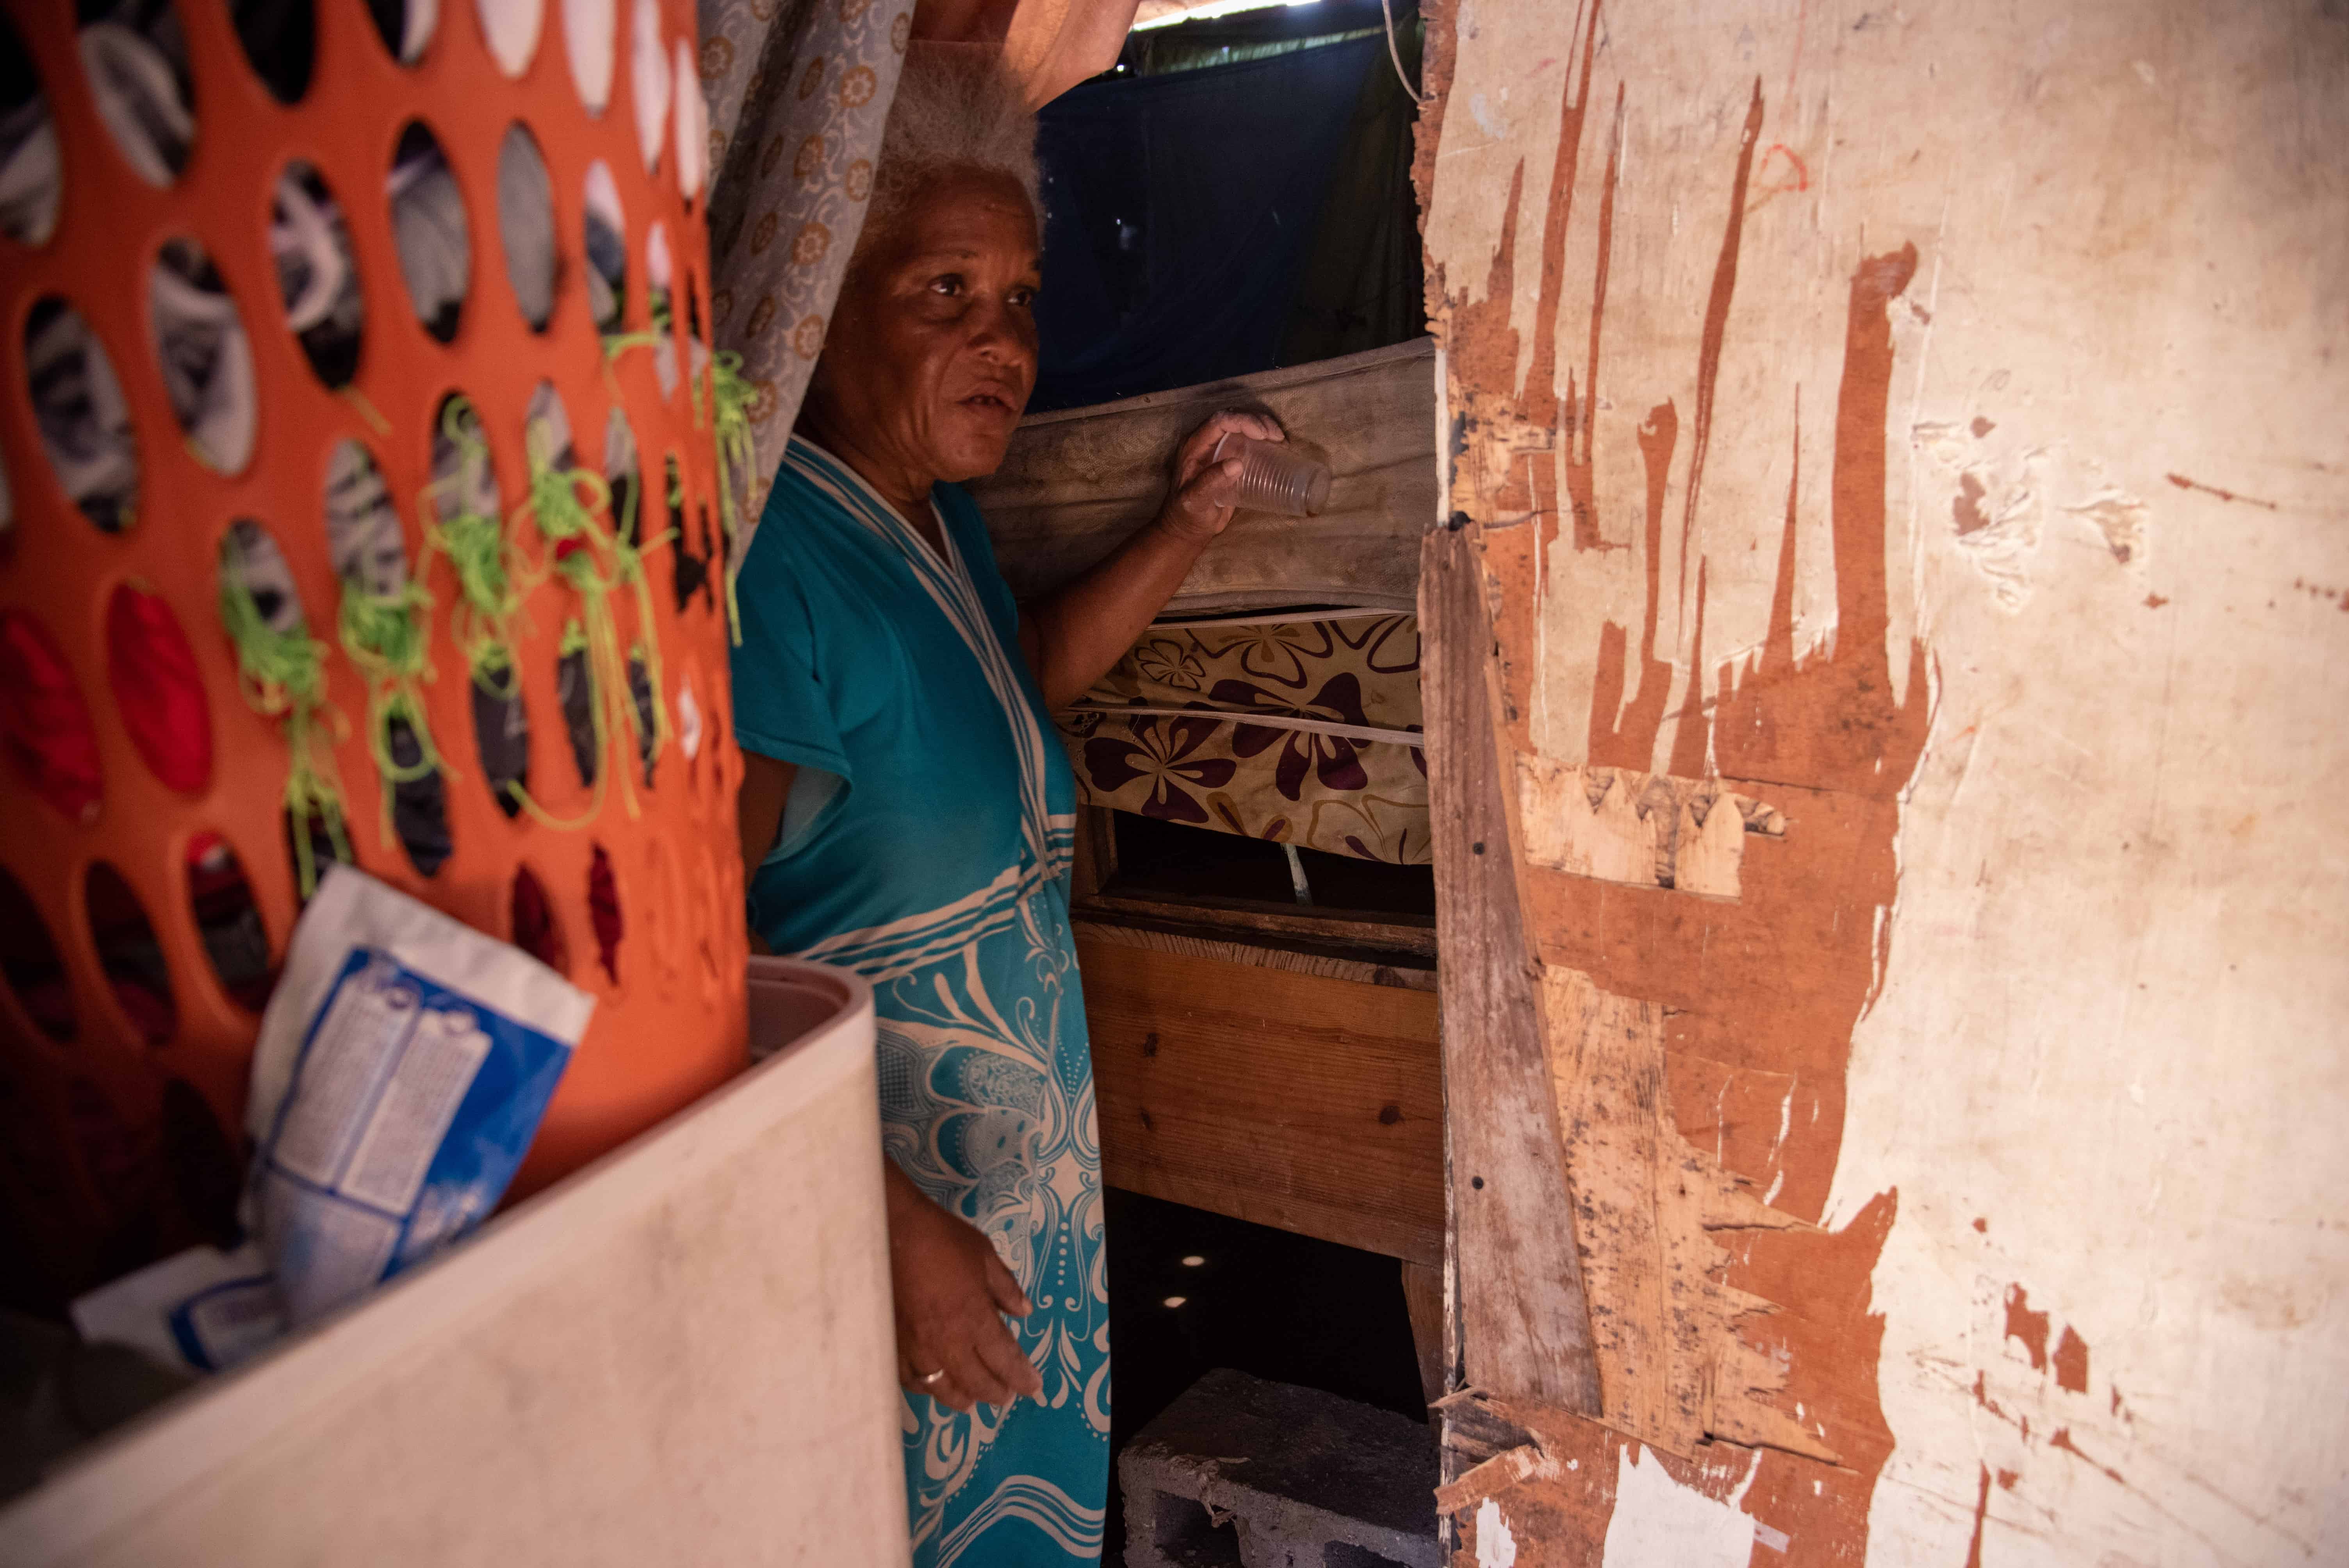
[{"x": 782, "y": 707}]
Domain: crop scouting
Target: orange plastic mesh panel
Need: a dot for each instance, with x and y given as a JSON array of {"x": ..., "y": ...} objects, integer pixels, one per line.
[{"x": 138, "y": 930}]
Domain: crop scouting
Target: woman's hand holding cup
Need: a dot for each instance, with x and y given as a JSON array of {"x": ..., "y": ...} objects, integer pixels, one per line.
[{"x": 1201, "y": 504}]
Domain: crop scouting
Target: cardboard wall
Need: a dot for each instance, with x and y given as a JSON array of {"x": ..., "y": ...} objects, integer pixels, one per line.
[{"x": 1906, "y": 451}]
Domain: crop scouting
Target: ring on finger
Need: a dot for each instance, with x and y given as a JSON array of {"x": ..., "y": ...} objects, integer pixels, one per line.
[{"x": 927, "y": 1378}]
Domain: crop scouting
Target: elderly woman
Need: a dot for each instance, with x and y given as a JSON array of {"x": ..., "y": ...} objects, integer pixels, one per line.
[{"x": 906, "y": 812}]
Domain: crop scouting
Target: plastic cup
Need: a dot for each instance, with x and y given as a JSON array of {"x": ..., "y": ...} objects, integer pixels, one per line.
[{"x": 1272, "y": 478}]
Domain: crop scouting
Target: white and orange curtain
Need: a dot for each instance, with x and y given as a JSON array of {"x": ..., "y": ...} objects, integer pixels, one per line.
[
  {"x": 798, "y": 92},
  {"x": 1300, "y": 731}
]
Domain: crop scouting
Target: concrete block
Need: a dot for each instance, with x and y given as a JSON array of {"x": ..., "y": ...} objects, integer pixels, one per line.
[{"x": 1244, "y": 1473}]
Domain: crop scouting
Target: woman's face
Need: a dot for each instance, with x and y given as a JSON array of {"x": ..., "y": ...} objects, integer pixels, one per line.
[{"x": 932, "y": 352}]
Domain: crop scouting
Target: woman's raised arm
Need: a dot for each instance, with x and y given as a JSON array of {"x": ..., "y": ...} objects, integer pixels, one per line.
[{"x": 1074, "y": 636}]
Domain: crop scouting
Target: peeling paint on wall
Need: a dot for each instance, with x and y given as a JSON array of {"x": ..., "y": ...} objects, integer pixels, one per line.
[
  {"x": 1645, "y": 830},
  {"x": 2051, "y": 1007},
  {"x": 1774, "y": 981},
  {"x": 1658, "y": 1520},
  {"x": 2005, "y": 491},
  {"x": 1495, "y": 1547},
  {"x": 1654, "y": 1215}
]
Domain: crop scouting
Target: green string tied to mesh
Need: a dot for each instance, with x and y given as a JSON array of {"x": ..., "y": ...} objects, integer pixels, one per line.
[
  {"x": 628, "y": 555},
  {"x": 609, "y": 700},
  {"x": 574, "y": 640},
  {"x": 282, "y": 674},
  {"x": 738, "y": 455},
  {"x": 389, "y": 639},
  {"x": 570, "y": 507},
  {"x": 490, "y": 584},
  {"x": 616, "y": 344},
  {"x": 693, "y": 374},
  {"x": 479, "y": 621}
]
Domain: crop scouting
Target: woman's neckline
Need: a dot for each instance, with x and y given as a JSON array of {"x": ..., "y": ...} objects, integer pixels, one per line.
[{"x": 936, "y": 548}]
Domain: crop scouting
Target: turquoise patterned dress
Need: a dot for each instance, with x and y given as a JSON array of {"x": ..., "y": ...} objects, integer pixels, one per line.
[{"x": 925, "y": 845}]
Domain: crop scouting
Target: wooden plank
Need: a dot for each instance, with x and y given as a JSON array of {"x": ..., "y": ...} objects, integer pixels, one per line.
[
  {"x": 1410, "y": 976},
  {"x": 1654, "y": 1212},
  {"x": 1096, "y": 856},
  {"x": 1523, "y": 1328},
  {"x": 1078, "y": 481},
  {"x": 1243, "y": 919},
  {"x": 1423, "y": 1298},
  {"x": 1649, "y": 1340},
  {"x": 1551, "y": 1477},
  {"x": 1296, "y": 1101}
]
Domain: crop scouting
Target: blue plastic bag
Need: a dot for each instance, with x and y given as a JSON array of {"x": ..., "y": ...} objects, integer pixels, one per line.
[{"x": 403, "y": 1065}]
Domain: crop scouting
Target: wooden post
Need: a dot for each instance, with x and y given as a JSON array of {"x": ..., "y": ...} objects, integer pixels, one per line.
[{"x": 1520, "y": 1328}]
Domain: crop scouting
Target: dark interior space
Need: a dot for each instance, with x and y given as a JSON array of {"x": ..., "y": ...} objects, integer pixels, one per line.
[
  {"x": 1235, "y": 196},
  {"x": 1190, "y": 1291},
  {"x": 1159, "y": 860}
]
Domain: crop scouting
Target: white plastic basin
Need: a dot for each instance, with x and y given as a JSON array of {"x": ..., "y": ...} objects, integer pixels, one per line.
[{"x": 680, "y": 1355}]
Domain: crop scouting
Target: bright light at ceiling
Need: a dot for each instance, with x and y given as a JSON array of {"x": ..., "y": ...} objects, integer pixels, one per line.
[{"x": 1214, "y": 8}]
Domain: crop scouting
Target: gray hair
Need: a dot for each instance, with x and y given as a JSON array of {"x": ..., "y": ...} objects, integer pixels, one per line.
[{"x": 958, "y": 112}]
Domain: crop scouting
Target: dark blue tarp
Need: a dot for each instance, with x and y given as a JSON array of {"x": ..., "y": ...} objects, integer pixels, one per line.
[{"x": 1179, "y": 210}]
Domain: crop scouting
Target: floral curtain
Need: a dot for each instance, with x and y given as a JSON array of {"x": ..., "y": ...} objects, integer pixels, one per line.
[
  {"x": 798, "y": 90},
  {"x": 1300, "y": 731}
]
